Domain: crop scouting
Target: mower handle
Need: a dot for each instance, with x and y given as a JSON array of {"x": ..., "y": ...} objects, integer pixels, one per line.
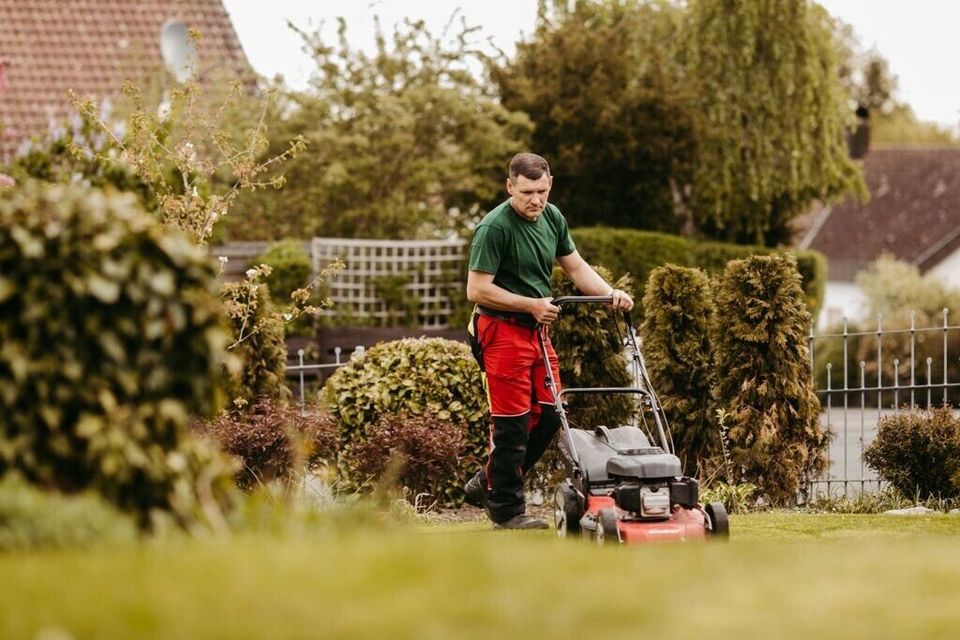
[
  {"x": 581, "y": 299},
  {"x": 562, "y": 300}
]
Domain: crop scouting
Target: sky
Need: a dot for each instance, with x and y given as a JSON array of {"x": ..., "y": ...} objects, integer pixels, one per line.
[{"x": 917, "y": 37}]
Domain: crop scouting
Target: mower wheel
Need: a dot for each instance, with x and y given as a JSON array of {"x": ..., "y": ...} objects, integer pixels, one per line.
[
  {"x": 566, "y": 511},
  {"x": 717, "y": 517},
  {"x": 607, "y": 532}
]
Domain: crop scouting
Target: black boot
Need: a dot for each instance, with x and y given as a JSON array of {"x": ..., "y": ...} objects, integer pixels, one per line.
[
  {"x": 505, "y": 499},
  {"x": 476, "y": 490}
]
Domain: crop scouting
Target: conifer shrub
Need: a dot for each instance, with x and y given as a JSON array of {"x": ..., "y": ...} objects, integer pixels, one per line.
[
  {"x": 764, "y": 383},
  {"x": 415, "y": 376},
  {"x": 433, "y": 455},
  {"x": 273, "y": 441},
  {"x": 589, "y": 347},
  {"x": 678, "y": 349},
  {"x": 918, "y": 453},
  {"x": 111, "y": 336},
  {"x": 262, "y": 350}
]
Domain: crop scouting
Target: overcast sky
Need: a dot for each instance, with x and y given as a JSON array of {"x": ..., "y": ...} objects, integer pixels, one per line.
[{"x": 916, "y": 36}]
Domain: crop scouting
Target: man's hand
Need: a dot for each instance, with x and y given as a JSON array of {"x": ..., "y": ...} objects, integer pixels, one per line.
[
  {"x": 543, "y": 310},
  {"x": 621, "y": 300}
]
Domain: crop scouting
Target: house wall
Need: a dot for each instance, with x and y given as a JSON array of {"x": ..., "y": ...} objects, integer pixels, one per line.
[
  {"x": 841, "y": 299},
  {"x": 948, "y": 271}
]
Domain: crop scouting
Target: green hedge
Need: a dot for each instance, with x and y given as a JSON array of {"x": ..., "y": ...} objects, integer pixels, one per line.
[{"x": 640, "y": 252}]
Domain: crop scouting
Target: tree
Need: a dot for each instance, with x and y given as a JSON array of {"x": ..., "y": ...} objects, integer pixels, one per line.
[
  {"x": 676, "y": 328},
  {"x": 872, "y": 85},
  {"x": 765, "y": 389},
  {"x": 602, "y": 86},
  {"x": 401, "y": 140},
  {"x": 775, "y": 116}
]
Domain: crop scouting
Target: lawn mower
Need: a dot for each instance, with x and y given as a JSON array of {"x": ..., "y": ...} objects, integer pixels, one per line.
[{"x": 619, "y": 486}]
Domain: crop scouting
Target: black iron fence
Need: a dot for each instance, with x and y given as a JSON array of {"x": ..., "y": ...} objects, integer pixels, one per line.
[{"x": 863, "y": 375}]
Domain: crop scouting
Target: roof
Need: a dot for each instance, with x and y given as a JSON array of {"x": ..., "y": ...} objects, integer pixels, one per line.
[
  {"x": 913, "y": 213},
  {"x": 92, "y": 47}
]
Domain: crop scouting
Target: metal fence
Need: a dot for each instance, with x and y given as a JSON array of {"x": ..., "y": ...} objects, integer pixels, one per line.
[
  {"x": 316, "y": 373},
  {"x": 863, "y": 375}
]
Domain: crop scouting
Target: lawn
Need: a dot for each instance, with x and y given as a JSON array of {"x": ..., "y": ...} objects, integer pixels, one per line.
[{"x": 780, "y": 576}]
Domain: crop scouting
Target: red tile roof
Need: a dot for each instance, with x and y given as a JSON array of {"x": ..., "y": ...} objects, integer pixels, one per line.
[
  {"x": 92, "y": 47},
  {"x": 913, "y": 212}
]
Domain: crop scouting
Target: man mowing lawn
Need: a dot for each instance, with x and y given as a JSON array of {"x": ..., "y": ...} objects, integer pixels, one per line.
[{"x": 511, "y": 259}]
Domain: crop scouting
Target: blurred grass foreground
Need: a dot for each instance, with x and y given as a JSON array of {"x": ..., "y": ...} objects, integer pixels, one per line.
[{"x": 782, "y": 575}]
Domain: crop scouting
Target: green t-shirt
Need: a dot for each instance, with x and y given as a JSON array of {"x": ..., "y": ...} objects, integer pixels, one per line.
[{"x": 520, "y": 253}]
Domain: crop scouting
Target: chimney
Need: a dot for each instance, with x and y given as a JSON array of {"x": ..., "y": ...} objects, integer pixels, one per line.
[{"x": 858, "y": 140}]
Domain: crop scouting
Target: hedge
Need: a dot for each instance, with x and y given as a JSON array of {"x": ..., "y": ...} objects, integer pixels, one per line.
[{"x": 640, "y": 252}]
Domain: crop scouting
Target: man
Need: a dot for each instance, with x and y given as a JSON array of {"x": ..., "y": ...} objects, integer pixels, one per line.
[{"x": 511, "y": 260}]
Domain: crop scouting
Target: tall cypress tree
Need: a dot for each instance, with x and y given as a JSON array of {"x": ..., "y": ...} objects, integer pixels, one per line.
[
  {"x": 764, "y": 383},
  {"x": 676, "y": 343}
]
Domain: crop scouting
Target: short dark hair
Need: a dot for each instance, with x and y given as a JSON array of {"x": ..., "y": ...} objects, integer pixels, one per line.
[{"x": 528, "y": 165}]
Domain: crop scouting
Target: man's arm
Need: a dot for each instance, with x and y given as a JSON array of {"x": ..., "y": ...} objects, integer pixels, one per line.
[
  {"x": 482, "y": 290},
  {"x": 589, "y": 281}
]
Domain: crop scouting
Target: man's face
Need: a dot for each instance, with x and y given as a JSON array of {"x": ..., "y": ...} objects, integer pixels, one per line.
[{"x": 529, "y": 197}]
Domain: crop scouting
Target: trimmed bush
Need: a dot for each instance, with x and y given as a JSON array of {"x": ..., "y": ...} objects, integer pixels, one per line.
[
  {"x": 413, "y": 376},
  {"x": 640, "y": 252},
  {"x": 918, "y": 453},
  {"x": 433, "y": 454},
  {"x": 678, "y": 350},
  {"x": 263, "y": 353},
  {"x": 765, "y": 386},
  {"x": 111, "y": 335},
  {"x": 32, "y": 519},
  {"x": 272, "y": 440}
]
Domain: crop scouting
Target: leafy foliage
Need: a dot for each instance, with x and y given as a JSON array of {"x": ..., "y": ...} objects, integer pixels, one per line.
[
  {"x": 413, "y": 376},
  {"x": 766, "y": 391},
  {"x": 75, "y": 153},
  {"x": 273, "y": 440},
  {"x": 402, "y": 139},
  {"x": 263, "y": 351},
  {"x": 194, "y": 166},
  {"x": 679, "y": 352},
  {"x": 774, "y": 116},
  {"x": 918, "y": 453},
  {"x": 32, "y": 519},
  {"x": 110, "y": 337},
  {"x": 433, "y": 452},
  {"x": 290, "y": 267},
  {"x": 290, "y": 271},
  {"x": 602, "y": 84},
  {"x": 737, "y": 498}
]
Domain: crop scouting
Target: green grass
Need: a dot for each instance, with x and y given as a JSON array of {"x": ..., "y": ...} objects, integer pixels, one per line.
[{"x": 781, "y": 576}]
